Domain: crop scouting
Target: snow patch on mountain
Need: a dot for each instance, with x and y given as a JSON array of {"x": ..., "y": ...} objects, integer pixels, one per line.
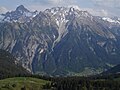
[
  {"x": 41, "y": 51},
  {"x": 110, "y": 20}
]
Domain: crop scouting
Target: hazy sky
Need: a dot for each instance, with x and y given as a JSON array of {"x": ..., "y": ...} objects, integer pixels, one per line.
[{"x": 95, "y": 7}]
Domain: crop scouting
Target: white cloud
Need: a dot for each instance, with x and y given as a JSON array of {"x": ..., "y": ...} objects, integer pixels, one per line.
[
  {"x": 55, "y": 2},
  {"x": 41, "y": 5},
  {"x": 107, "y": 3},
  {"x": 3, "y": 10},
  {"x": 37, "y": 7},
  {"x": 95, "y": 7},
  {"x": 95, "y": 12},
  {"x": 100, "y": 7},
  {"x": 103, "y": 12},
  {"x": 111, "y": 6}
]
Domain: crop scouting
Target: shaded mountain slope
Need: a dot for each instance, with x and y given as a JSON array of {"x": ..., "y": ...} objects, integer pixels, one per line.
[
  {"x": 113, "y": 70},
  {"x": 8, "y": 67}
]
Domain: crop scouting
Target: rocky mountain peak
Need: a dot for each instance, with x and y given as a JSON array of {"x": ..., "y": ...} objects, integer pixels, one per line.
[
  {"x": 21, "y": 8},
  {"x": 21, "y": 14},
  {"x": 75, "y": 7},
  {"x": 70, "y": 10}
]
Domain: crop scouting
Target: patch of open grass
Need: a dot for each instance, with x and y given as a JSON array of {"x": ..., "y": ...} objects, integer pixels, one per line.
[{"x": 22, "y": 83}]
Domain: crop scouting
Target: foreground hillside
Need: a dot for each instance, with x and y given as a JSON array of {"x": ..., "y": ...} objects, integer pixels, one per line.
[
  {"x": 8, "y": 68},
  {"x": 62, "y": 83},
  {"x": 88, "y": 83},
  {"x": 22, "y": 83},
  {"x": 105, "y": 82}
]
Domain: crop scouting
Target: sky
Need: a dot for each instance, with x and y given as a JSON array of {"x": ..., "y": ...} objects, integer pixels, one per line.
[{"x": 95, "y": 7}]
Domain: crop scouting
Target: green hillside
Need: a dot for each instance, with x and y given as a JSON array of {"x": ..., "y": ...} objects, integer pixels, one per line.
[{"x": 22, "y": 83}]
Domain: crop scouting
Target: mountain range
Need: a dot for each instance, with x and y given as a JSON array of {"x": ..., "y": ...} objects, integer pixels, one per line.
[{"x": 61, "y": 40}]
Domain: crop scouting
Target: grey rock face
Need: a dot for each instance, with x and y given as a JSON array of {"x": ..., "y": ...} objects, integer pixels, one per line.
[
  {"x": 21, "y": 15},
  {"x": 61, "y": 41}
]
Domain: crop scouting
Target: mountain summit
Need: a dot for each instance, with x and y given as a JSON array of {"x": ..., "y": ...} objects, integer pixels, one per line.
[
  {"x": 21, "y": 8},
  {"x": 21, "y": 14}
]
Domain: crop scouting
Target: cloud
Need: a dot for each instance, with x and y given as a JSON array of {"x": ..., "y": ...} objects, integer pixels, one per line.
[
  {"x": 111, "y": 6},
  {"x": 95, "y": 7},
  {"x": 37, "y": 7},
  {"x": 41, "y": 5},
  {"x": 95, "y": 12},
  {"x": 55, "y": 2},
  {"x": 98, "y": 8},
  {"x": 104, "y": 12},
  {"x": 3, "y": 10},
  {"x": 107, "y": 3}
]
